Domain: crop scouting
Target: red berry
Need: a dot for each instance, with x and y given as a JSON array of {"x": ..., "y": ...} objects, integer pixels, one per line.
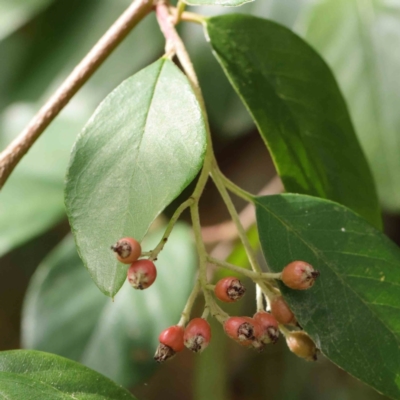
[
  {"x": 171, "y": 342},
  {"x": 244, "y": 330},
  {"x": 229, "y": 289},
  {"x": 197, "y": 335},
  {"x": 127, "y": 250},
  {"x": 281, "y": 311},
  {"x": 299, "y": 275},
  {"x": 269, "y": 326},
  {"x": 302, "y": 345},
  {"x": 141, "y": 274}
]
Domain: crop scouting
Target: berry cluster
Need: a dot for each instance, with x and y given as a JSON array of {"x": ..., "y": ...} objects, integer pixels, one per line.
[{"x": 253, "y": 332}]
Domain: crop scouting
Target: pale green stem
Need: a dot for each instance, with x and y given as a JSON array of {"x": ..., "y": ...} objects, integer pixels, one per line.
[
  {"x": 233, "y": 187},
  {"x": 185, "y": 316},
  {"x": 170, "y": 226},
  {"x": 259, "y": 298},
  {"x": 180, "y": 8}
]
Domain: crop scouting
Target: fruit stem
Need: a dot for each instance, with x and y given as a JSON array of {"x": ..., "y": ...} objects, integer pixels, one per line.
[
  {"x": 185, "y": 315},
  {"x": 170, "y": 226}
]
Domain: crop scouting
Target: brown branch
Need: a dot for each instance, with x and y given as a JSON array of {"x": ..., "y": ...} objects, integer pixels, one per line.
[
  {"x": 11, "y": 156},
  {"x": 226, "y": 231}
]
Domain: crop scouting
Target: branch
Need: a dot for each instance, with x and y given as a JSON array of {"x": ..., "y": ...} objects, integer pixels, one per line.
[
  {"x": 226, "y": 231},
  {"x": 11, "y": 156}
]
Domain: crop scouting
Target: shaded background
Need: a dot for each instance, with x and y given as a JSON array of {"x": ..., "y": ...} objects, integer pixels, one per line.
[{"x": 40, "y": 42}]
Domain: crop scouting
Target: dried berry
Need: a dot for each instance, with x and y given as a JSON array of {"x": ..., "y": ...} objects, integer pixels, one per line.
[{"x": 302, "y": 345}]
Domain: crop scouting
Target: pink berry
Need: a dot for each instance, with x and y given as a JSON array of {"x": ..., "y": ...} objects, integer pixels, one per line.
[
  {"x": 229, "y": 289},
  {"x": 127, "y": 250},
  {"x": 171, "y": 342},
  {"x": 281, "y": 311},
  {"x": 299, "y": 275},
  {"x": 244, "y": 330},
  {"x": 269, "y": 326},
  {"x": 141, "y": 274},
  {"x": 197, "y": 335}
]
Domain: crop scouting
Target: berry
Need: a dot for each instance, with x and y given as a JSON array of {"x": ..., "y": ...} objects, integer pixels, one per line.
[
  {"x": 244, "y": 330},
  {"x": 197, "y": 335},
  {"x": 171, "y": 342},
  {"x": 141, "y": 274},
  {"x": 299, "y": 275},
  {"x": 281, "y": 311},
  {"x": 229, "y": 289},
  {"x": 269, "y": 326},
  {"x": 302, "y": 345},
  {"x": 127, "y": 250}
]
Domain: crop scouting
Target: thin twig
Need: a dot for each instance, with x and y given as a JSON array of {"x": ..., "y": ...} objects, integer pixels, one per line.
[
  {"x": 226, "y": 231},
  {"x": 11, "y": 156}
]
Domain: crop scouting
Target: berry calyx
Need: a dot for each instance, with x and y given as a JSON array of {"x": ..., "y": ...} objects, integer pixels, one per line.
[
  {"x": 244, "y": 330},
  {"x": 229, "y": 289},
  {"x": 302, "y": 345},
  {"x": 127, "y": 250},
  {"x": 141, "y": 274},
  {"x": 171, "y": 342},
  {"x": 299, "y": 275},
  {"x": 197, "y": 335},
  {"x": 269, "y": 327},
  {"x": 281, "y": 311}
]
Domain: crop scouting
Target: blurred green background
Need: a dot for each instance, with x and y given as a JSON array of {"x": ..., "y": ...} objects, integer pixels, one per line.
[{"x": 40, "y": 43}]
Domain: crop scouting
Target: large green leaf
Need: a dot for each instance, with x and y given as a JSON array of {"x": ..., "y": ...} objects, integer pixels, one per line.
[
  {"x": 353, "y": 310},
  {"x": 28, "y": 374},
  {"x": 116, "y": 338},
  {"x": 228, "y": 3},
  {"x": 360, "y": 42},
  {"x": 298, "y": 108},
  {"x": 32, "y": 199},
  {"x": 15, "y": 13},
  {"x": 142, "y": 147}
]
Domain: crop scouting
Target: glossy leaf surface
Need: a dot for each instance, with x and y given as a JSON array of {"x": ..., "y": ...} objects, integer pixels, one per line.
[
  {"x": 116, "y": 338},
  {"x": 142, "y": 147},
  {"x": 352, "y": 311},
  {"x": 28, "y": 374},
  {"x": 298, "y": 108}
]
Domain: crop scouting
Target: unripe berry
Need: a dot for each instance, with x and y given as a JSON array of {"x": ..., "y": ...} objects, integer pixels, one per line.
[
  {"x": 197, "y": 335},
  {"x": 244, "y": 330},
  {"x": 299, "y": 275},
  {"x": 127, "y": 250},
  {"x": 269, "y": 327},
  {"x": 141, "y": 274},
  {"x": 229, "y": 289},
  {"x": 281, "y": 311},
  {"x": 171, "y": 342},
  {"x": 302, "y": 345}
]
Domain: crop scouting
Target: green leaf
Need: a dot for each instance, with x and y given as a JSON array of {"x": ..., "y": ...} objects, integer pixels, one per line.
[
  {"x": 226, "y": 3},
  {"x": 370, "y": 33},
  {"x": 116, "y": 338},
  {"x": 27, "y": 374},
  {"x": 352, "y": 311},
  {"x": 143, "y": 146},
  {"x": 15, "y": 13},
  {"x": 298, "y": 108}
]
